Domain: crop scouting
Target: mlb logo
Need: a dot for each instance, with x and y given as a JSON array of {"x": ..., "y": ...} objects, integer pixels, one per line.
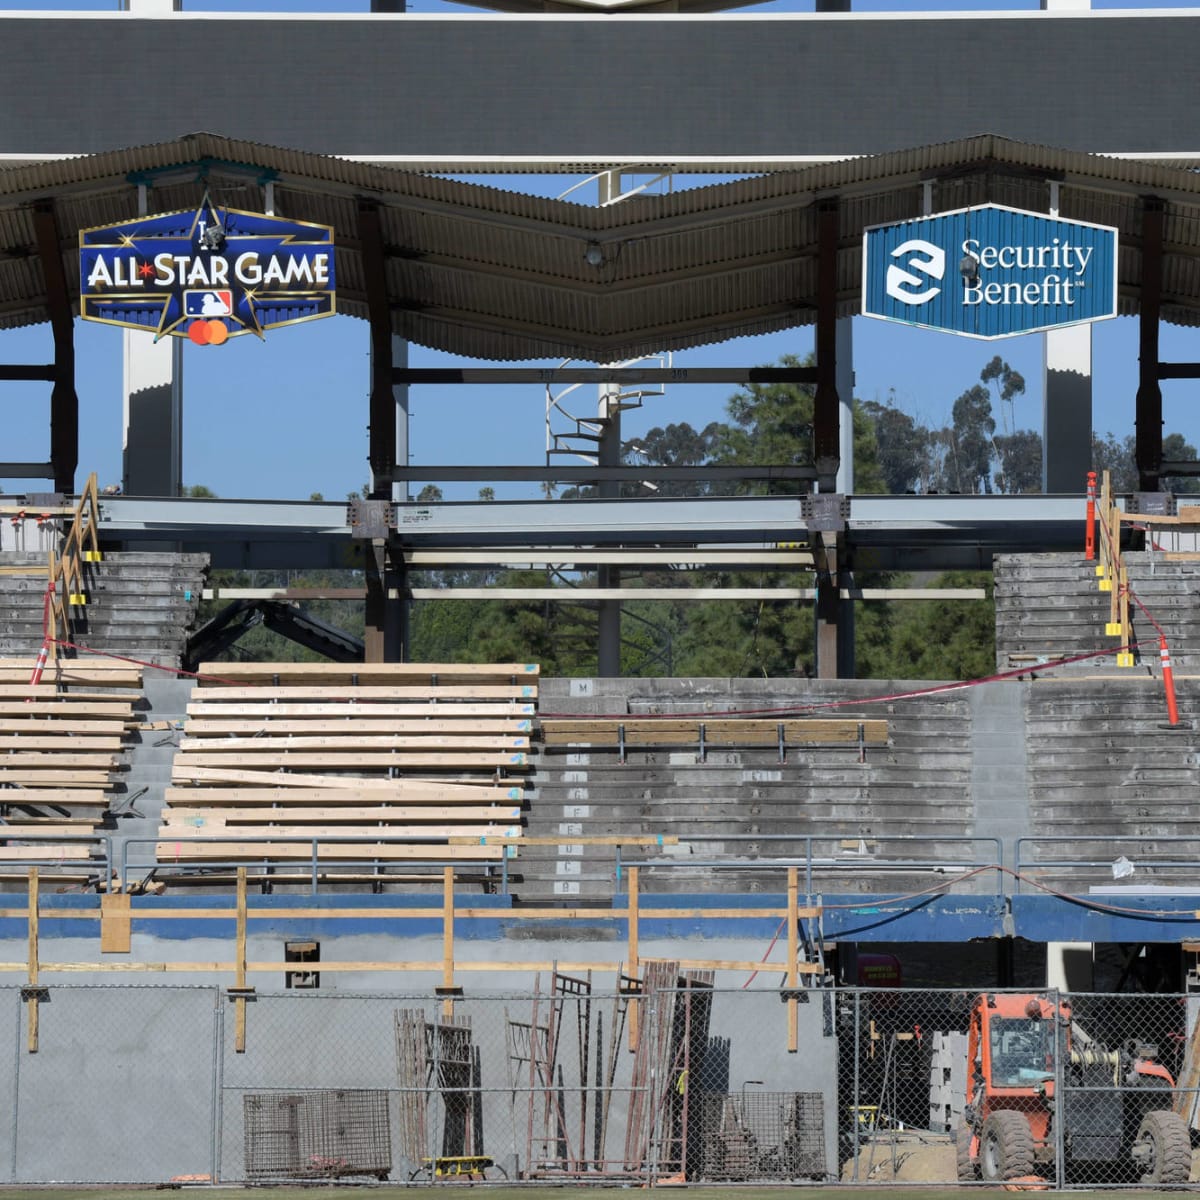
[{"x": 208, "y": 302}]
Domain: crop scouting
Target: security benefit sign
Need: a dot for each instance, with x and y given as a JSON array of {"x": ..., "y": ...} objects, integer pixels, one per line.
[
  {"x": 207, "y": 274},
  {"x": 990, "y": 272}
]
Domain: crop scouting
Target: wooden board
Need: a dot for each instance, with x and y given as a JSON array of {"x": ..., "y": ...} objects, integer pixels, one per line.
[
  {"x": 354, "y": 725},
  {"x": 465, "y": 691},
  {"x": 401, "y": 760},
  {"x": 252, "y": 743},
  {"x": 205, "y": 828},
  {"x": 75, "y": 674},
  {"x": 64, "y": 743},
  {"x": 45, "y": 778},
  {"x": 63, "y": 725},
  {"x": 323, "y": 785},
  {"x": 18, "y": 761},
  {"x": 717, "y": 731},
  {"x": 180, "y": 849},
  {"x": 116, "y": 714},
  {"x": 48, "y": 693},
  {"x": 354, "y": 707},
  {"x": 250, "y": 815},
  {"x": 52, "y": 798},
  {"x": 45, "y": 853},
  {"x": 364, "y": 673},
  {"x": 17, "y": 828}
]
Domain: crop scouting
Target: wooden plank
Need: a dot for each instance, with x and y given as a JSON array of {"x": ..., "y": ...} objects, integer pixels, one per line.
[
  {"x": 465, "y": 691},
  {"x": 52, "y": 797},
  {"x": 48, "y": 693},
  {"x": 203, "y": 827},
  {"x": 17, "y": 761},
  {"x": 116, "y": 714},
  {"x": 274, "y": 785},
  {"x": 38, "y": 778},
  {"x": 64, "y": 725},
  {"x": 64, "y": 743},
  {"x": 17, "y": 829},
  {"x": 364, "y": 673},
  {"x": 401, "y": 813},
  {"x": 353, "y": 706},
  {"x": 402, "y": 760},
  {"x": 69, "y": 673},
  {"x": 116, "y": 926},
  {"x": 181, "y": 849},
  {"x": 97, "y": 664},
  {"x": 353, "y": 741},
  {"x": 746, "y": 731},
  {"x": 355, "y": 724},
  {"x": 55, "y": 852}
]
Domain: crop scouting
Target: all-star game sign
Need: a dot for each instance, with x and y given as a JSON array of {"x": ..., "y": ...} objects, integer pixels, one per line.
[{"x": 207, "y": 275}]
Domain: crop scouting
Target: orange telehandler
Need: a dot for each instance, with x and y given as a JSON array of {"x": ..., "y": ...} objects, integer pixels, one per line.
[{"x": 1116, "y": 1114}]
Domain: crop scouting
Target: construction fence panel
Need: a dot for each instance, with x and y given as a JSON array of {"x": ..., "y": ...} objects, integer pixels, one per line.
[
  {"x": 116, "y": 1086},
  {"x": 664, "y": 1080}
]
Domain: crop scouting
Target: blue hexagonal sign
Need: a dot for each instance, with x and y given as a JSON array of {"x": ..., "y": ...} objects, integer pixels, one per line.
[{"x": 990, "y": 272}]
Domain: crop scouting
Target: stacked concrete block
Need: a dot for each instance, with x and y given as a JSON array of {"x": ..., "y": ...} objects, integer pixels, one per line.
[{"x": 947, "y": 1081}]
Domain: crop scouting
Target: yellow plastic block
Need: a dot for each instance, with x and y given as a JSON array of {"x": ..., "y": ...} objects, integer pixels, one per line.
[
  {"x": 92, "y": 556},
  {"x": 1124, "y": 660},
  {"x": 1100, "y": 570},
  {"x": 1113, "y": 629},
  {"x": 77, "y": 598},
  {"x": 1106, "y": 585}
]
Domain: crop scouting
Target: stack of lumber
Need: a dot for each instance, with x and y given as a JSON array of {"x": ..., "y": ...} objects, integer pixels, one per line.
[
  {"x": 59, "y": 751},
  {"x": 381, "y": 763},
  {"x": 716, "y": 730}
]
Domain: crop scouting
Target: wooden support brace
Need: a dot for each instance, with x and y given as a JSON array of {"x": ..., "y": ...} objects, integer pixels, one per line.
[
  {"x": 793, "y": 956},
  {"x": 240, "y": 989},
  {"x": 116, "y": 933},
  {"x": 33, "y": 993},
  {"x": 634, "y": 964},
  {"x": 447, "y": 989}
]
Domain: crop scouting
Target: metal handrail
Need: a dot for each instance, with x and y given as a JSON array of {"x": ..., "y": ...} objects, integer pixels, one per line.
[
  {"x": 313, "y": 862},
  {"x": 1117, "y": 841},
  {"x": 811, "y": 861}
]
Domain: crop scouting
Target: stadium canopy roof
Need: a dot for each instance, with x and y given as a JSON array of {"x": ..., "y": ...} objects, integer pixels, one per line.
[{"x": 486, "y": 273}]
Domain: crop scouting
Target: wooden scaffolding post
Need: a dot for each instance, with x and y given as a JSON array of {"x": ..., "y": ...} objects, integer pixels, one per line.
[
  {"x": 634, "y": 966},
  {"x": 793, "y": 957},
  {"x": 33, "y": 990},
  {"x": 240, "y": 989},
  {"x": 447, "y": 989}
]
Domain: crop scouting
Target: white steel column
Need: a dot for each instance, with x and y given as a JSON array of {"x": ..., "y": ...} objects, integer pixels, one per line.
[
  {"x": 1067, "y": 406},
  {"x": 152, "y": 455}
]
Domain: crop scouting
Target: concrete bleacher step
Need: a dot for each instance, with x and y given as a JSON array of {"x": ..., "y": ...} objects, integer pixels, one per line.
[{"x": 139, "y": 604}]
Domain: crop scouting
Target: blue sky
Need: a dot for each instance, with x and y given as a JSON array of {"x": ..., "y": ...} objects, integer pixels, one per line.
[{"x": 287, "y": 417}]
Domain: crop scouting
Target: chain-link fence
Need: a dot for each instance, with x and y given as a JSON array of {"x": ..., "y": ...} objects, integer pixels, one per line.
[{"x": 667, "y": 1078}]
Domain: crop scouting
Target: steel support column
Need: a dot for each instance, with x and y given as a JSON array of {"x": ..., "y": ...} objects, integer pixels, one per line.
[
  {"x": 1148, "y": 422},
  {"x": 385, "y": 636},
  {"x": 826, "y": 417},
  {"x": 64, "y": 403}
]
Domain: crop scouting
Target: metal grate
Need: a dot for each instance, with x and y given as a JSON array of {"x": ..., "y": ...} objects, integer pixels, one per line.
[
  {"x": 763, "y": 1135},
  {"x": 319, "y": 1134}
]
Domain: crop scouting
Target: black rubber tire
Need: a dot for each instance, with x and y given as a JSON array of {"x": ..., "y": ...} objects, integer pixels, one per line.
[
  {"x": 1005, "y": 1147},
  {"x": 1169, "y": 1144},
  {"x": 968, "y": 1169}
]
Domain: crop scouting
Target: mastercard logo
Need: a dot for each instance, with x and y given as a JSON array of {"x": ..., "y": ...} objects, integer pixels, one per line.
[{"x": 208, "y": 333}]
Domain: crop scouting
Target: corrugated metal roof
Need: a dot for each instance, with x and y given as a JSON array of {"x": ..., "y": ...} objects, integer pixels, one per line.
[{"x": 489, "y": 273}]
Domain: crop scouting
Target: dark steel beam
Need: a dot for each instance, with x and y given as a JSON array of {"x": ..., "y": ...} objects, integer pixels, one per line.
[
  {"x": 826, "y": 418},
  {"x": 1148, "y": 436},
  {"x": 576, "y": 474},
  {"x": 621, "y": 375},
  {"x": 381, "y": 451},
  {"x": 64, "y": 403},
  {"x": 26, "y": 372}
]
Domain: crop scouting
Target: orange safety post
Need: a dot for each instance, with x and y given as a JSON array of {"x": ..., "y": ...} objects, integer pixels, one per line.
[
  {"x": 1168, "y": 680},
  {"x": 1089, "y": 537}
]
